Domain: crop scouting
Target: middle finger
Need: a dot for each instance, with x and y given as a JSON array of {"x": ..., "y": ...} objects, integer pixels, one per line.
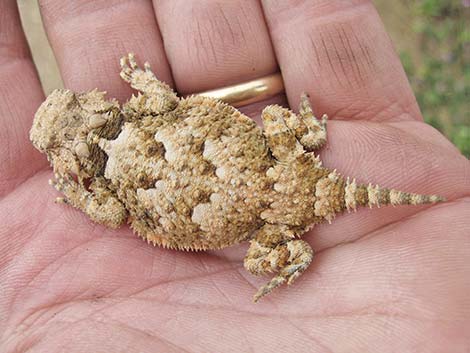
[{"x": 212, "y": 44}]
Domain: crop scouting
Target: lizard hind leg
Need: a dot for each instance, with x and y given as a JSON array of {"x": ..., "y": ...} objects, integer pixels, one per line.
[{"x": 288, "y": 257}]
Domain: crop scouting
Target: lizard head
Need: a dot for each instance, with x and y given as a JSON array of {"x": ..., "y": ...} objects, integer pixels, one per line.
[{"x": 65, "y": 126}]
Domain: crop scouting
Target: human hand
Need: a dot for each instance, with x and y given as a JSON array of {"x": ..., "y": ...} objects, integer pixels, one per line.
[{"x": 389, "y": 279}]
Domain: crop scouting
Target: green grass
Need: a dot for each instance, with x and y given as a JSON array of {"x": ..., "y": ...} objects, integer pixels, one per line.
[{"x": 439, "y": 66}]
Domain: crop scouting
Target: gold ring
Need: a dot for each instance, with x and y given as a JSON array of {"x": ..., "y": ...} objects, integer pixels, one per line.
[{"x": 248, "y": 92}]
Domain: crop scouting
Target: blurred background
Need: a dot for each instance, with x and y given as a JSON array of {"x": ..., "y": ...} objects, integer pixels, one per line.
[{"x": 432, "y": 38}]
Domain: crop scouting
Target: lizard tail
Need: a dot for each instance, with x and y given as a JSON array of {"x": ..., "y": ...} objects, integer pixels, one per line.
[{"x": 369, "y": 195}]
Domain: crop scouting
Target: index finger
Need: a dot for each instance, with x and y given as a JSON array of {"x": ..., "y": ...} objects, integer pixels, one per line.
[
  {"x": 89, "y": 38},
  {"x": 20, "y": 94},
  {"x": 339, "y": 52}
]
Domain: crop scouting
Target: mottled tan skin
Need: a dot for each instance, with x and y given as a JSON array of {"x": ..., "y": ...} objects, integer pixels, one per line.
[{"x": 196, "y": 174}]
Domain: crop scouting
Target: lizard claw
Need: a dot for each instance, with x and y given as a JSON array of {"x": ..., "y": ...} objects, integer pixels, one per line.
[{"x": 128, "y": 67}]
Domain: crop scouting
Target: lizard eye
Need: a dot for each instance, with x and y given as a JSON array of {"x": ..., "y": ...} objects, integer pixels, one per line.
[
  {"x": 98, "y": 120},
  {"x": 82, "y": 150}
]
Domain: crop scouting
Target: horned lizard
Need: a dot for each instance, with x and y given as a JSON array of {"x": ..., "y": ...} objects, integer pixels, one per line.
[{"x": 195, "y": 173}]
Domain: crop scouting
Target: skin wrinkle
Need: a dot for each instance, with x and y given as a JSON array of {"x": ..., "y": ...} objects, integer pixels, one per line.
[
  {"x": 351, "y": 56},
  {"x": 365, "y": 311},
  {"x": 28, "y": 345},
  {"x": 211, "y": 44},
  {"x": 134, "y": 295},
  {"x": 415, "y": 129},
  {"x": 220, "y": 291},
  {"x": 309, "y": 336},
  {"x": 403, "y": 108},
  {"x": 80, "y": 8},
  {"x": 39, "y": 313},
  {"x": 39, "y": 273},
  {"x": 143, "y": 331},
  {"x": 199, "y": 47},
  {"x": 241, "y": 31},
  {"x": 65, "y": 305},
  {"x": 348, "y": 113},
  {"x": 227, "y": 25},
  {"x": 319, "y": 14},
  {"x": 265, "y": 25},
  {"x": 365, "y": 52},
  {"x": 314, "y": 47},
  {"x": 420, "y": 137},
  {"x": 346, "y": 49},
  {"x": 340, "y": 60},
  {"x": 104, "y": 308},
  {"x": 148, "y": 334},
  {"x": 274, "y": 313},
  {"x": 340, "y": 34},
  {"x": 239, "y": 41},
  {"x": 327, "y": 52},
  {"x": 124, "y": 327}
]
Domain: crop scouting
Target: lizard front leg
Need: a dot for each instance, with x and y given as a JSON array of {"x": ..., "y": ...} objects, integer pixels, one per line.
[
  {"x": 273, "y": 249},
  {"x": 289, "y": 134},
  {"x": 156, "y": 97},
  {"x": 100, "y": 203},
  {"x": 315, "y": 136}
]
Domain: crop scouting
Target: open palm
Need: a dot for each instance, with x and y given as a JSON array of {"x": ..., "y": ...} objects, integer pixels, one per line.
[{"x": 388, "y": 280}]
